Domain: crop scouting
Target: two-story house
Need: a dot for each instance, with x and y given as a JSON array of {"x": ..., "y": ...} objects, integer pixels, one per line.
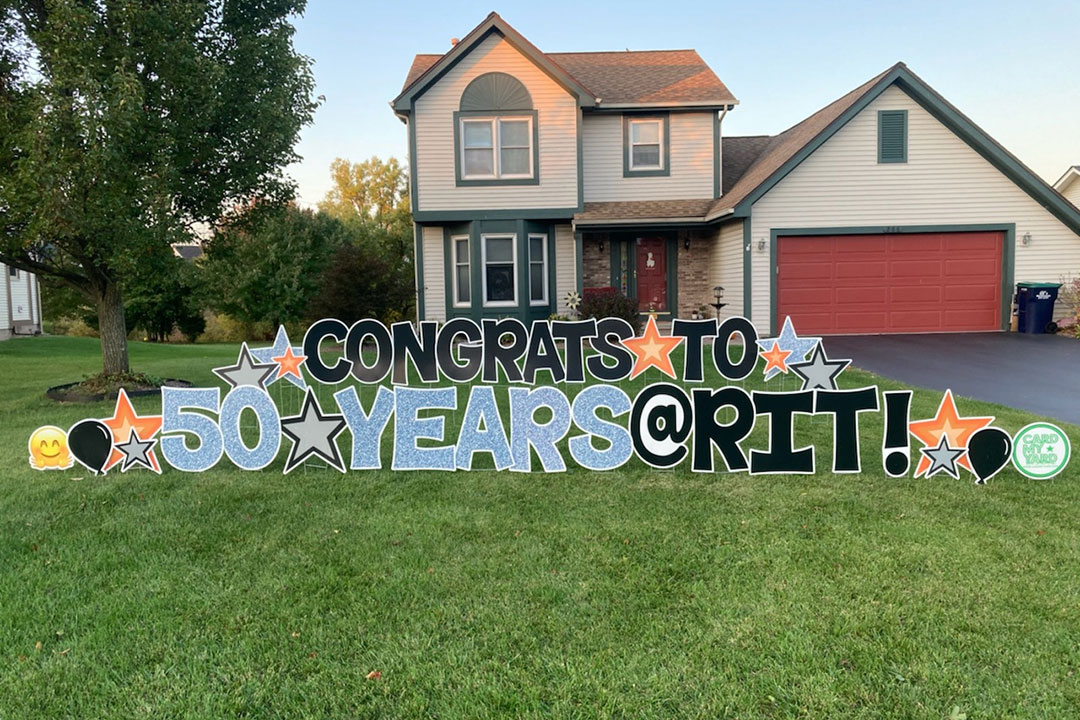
[{"x": 534, "y": 174}]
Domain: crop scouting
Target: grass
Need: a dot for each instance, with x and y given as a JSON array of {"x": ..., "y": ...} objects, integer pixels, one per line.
[{"x": 634, "y": 593}]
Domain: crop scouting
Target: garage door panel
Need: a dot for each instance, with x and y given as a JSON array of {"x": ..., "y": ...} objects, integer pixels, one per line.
[{"x": 891, "y": 283}]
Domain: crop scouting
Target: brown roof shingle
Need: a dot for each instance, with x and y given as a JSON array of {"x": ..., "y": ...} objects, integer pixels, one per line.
[
  {"x": 644, "y": 209},
  {"x": 629, "y": 77}
]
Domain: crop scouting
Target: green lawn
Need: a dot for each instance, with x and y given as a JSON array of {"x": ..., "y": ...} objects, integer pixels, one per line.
[{"x": 634, "y": 593}]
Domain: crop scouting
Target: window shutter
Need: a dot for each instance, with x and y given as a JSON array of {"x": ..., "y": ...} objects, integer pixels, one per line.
[{"x": 892, "y": 136}]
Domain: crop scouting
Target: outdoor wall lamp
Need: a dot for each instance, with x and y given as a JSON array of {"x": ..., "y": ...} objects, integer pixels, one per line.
[
  {"x": 686, "y": 242},
  {"x": 600, "y": 242},
  {"x": 761, "y": 245},
  {"x": 1026, "y": 240}
]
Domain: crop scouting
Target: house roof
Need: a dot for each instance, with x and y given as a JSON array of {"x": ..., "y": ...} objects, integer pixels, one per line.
[
  {"x": 188, "y": 251},
  {"x": 612, "y": 79},
  {"x": 759, "y": 162},
  {"x": 1068, "y": 178},
  {"x": 637, "y": 211}
]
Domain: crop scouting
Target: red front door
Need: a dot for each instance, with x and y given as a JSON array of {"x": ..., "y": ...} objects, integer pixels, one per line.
[{"x": 652, "y": 274}]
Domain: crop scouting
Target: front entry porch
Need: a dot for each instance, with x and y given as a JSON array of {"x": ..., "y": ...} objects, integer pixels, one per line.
[{"x": 666, "y": 272}]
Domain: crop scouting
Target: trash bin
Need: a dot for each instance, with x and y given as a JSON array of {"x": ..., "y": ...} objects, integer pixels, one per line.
[{"x": 1035, "y": 307}]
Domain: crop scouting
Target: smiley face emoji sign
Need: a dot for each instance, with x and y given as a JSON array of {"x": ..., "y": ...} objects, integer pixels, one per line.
[{"x": 49, "y": 450}]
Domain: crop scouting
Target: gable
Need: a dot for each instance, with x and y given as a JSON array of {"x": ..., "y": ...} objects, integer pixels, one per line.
[{"x": 421, "y": 79}]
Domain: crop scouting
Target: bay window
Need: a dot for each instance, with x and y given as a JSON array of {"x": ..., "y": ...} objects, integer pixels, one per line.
[
  {"x": 538, "y": 270},
  {"x": 499, "y": 260},
  {"x": 462, "y": 277}
]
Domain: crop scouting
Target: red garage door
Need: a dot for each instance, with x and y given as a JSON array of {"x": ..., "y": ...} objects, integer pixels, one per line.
[{"x": 891, "y": 283}]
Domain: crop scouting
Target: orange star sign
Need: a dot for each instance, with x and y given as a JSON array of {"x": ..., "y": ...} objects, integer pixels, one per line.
[
  {"x": 776, "y": 358},
  {"x": 947, "y": 423},
  {"x": 652, "y": 350},
  {"x": 123, "y": 421},
  {"x": 289, "y": 364}
]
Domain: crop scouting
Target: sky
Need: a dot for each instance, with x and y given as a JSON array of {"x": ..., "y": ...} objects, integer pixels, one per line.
[{"x": 1013, "y": 68}]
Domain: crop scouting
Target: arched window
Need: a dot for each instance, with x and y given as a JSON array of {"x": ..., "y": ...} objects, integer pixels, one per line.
[{"x": 496, "y": 133}]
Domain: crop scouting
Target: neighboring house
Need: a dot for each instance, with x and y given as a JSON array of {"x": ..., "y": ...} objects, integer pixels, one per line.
[
  {"x": 190, "y": 251},
  {"x": 20, "y": 303},
  {"x": 887, "y": 211},
  {"x": 1069, "y": 185}
]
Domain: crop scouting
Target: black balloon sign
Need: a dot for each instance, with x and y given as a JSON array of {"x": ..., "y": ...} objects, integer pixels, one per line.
[
  {"x": 989, "y": 450},
  {"x": 91, "y": 443}
]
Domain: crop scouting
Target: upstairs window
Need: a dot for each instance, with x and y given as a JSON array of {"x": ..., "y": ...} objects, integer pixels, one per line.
[
  {"x": 496, "y": 133},
  {"x": 646, "y": 144},
  {"x": 13, "y": 272},
  {"x": 892, "y": 136},
  {"x": 496, "y": 148}
]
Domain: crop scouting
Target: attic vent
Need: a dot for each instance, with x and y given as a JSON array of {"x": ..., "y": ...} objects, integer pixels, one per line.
[
  {"x": 892, "y": 136},
  {"x": 495, "y": 91}
]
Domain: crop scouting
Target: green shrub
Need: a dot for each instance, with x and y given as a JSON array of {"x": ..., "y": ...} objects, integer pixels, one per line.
[{"x": 609, "y": 302}]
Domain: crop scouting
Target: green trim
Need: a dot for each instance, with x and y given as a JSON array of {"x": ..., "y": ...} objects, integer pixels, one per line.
[
  {"x": 747, "y": 270},
  {"x": 579, "y": 262},
  {"x": 414, "y": 185},
  {"x": 437, "y": 216},
  {"x": 615, "y": 266},
  {"x": 460, "y": 181},
  {"x": 716, "y": 167},
  {"x": 882, "y": 117},
  {"x": 621, "y": 109},
  {"x": 418, "y": 274},
  {"x": 1008, "y": 254},
  {"x": 492, "y": 24},
  {"x": 580, "y": 165},
  {"x": 673, "y": 275},
  {"x": 666, "y": 149},
  {"x": 949, "y": 116}
]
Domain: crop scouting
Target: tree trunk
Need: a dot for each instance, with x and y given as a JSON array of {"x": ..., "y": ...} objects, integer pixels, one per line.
[{"x": 113, "y": 329}]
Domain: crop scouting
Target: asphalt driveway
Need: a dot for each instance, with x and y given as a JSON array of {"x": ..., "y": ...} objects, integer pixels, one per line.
[{"x": 1038, "y": 373}]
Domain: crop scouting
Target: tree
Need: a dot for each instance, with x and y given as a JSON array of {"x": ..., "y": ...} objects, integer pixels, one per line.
[
  {"x": 366, "y": 279},
  {"x": 373, "y": 190},
  {"x": 122, "y": 123},
  {"x": 166, "y": 294},
  {"x": 266, "y": 263}
]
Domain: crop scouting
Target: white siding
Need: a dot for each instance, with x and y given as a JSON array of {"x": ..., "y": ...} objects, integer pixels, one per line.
[
  {"x": 944, "y": 182},
  {"x": 1072, "y": 191},
  {"x": 21, "y": 300},
  {"x": 565, "y": 266},
  {"x": 434, "y": 274},
  {"x": 557, "y": 118},
  {"x": 691, "y": 161},
  {"x": 5, "y": 326},
  {"x": 726, "y": 266}
]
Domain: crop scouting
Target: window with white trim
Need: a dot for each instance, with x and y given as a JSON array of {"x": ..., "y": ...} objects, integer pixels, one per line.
[
  {"x": 538, "y": 270},
  {"x": 646, "y": 144},
  {"x": 499, "y": 258},
  {"x": 462, "y": 276},
  {"x": 497, "y": 148}
]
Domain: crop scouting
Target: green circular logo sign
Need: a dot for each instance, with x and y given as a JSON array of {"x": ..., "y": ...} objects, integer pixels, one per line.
[{"x": 1041, "y": 450}]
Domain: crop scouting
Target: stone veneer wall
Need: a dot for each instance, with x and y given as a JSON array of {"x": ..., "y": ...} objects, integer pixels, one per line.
[
  {"x": 595, "y": 263},
  {"x": 695, "y": 283}
]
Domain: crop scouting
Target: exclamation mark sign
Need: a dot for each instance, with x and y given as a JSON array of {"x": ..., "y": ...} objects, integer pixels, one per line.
[{"x": 895, "y": 450}]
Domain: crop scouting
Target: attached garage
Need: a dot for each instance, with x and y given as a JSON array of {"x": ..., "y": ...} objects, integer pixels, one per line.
[{"x": 893, "y": 282}]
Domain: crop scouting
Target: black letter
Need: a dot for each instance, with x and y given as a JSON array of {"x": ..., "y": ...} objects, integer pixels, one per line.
[
  {"x": 470, "y": 350},
  {"x": 384, "y": 350},
  {"x": 624, "y": 361},
  {"x": 313, "y": 338},
  {"x": 407, "y": 345},
  {"x": 845, "y": 406},
  {"x": 495, "y": 352},
  {"x": 749, "y": 358},
  {"x": 726, "y": 437},
  {"x": 572, "y": 333},
  {"x": 694, "y": 331},
  {"x": 781, "y": 457}
]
